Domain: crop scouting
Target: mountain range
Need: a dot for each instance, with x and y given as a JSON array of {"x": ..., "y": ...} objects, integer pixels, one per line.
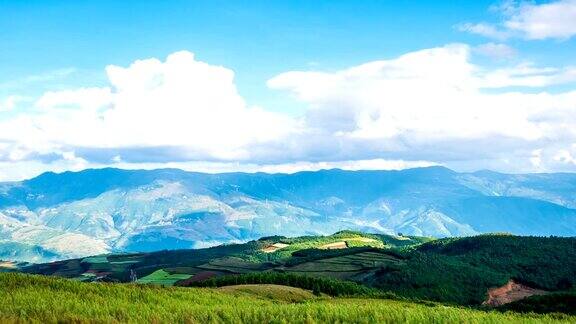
[{"x": 97, "y": 211}]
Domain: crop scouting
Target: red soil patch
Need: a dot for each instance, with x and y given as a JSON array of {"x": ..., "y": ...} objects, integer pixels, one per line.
[{"x": 510, "y": 292}]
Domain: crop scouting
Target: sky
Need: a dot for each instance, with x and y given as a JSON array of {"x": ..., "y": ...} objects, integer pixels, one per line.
[{"x": 285, "y": 86}]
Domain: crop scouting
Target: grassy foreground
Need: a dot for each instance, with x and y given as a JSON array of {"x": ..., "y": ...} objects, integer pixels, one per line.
[{"x": 47, "y": 300}]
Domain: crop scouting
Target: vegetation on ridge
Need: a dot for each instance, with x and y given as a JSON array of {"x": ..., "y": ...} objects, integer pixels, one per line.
[{"x": 460, "y": 270}]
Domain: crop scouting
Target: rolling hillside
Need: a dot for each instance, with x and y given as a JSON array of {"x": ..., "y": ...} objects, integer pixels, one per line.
[
  {"x": 51, "y": 300},
  {"x": 453, "y": 270}
]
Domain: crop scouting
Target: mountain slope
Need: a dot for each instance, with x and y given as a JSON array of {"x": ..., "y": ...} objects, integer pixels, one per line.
[{"x": 75, "y": 214}]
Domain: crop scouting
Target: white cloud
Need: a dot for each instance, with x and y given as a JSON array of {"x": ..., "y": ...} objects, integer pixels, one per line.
[
  {"x": 434, "y": 104},
  {"x": 531, "y": 21},
  {"x": 484, "y": 29},
  {"x": 90, "y": 99},
  {"x": 22, "y": 83},
  {"x": 184, "y": 102},
  {"x": 565, "y": 156},
  {"x": 434, "y": 93},
  {"x": 536, "y": 158},
  {"x": 374, "y": 164},
  {"x": 25, "y": 169},
  {"x": 181, "y": 103},
  {"x": 421, "y": 108},
  {"x": 540, "y": 21},
  {"x": 497, "y": 51},
  {"x": 10, "y": 102},
  {"x": 528, "y": 75}
]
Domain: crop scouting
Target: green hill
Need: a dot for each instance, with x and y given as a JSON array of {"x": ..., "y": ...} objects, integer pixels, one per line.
[
  {"x": 26, "y": 298},
  {"x": 460, "y": 270},
  {"x": 558, "y": 302},
  {"x": 457, "y": 271},
  {"x": 254, "y": 256}
]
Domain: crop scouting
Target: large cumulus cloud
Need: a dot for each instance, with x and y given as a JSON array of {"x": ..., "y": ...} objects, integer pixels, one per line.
[
  {"x": 436, "y": 105},
  {"x": 179, "y": 109}
]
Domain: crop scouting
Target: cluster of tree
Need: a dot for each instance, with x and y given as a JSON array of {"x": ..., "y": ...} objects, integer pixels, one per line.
[
  {"x": 273, "y": 238},
  {"x": 461, "y": 270},
  {"x": 542, "y": 262}
]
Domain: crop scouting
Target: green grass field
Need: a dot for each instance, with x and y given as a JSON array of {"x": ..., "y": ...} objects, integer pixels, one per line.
[
  {"x": 271, "y": 292},
  {"x": 27, "y": 298}
]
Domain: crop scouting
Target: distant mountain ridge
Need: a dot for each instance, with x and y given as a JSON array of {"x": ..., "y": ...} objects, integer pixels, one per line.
[{"x": 95, "y": 211}]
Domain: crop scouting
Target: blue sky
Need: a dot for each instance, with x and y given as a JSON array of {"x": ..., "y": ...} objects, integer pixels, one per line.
[
  {"x": 257, "y": 39},
  {"x": 51, "y": 46}
]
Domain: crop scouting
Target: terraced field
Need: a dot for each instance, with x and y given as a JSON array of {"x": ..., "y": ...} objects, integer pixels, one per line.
[
  {"x": 345, "y": 267},
  {"x": 169, "y": 267},
  {"x": 233, "y": 265}
]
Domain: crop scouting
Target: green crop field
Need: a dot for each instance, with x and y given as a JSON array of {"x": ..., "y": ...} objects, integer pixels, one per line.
[
  {"x": 161, "y": 277},
  {"x": 27, "y": 298}
]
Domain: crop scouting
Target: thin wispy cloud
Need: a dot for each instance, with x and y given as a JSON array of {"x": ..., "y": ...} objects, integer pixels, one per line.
[
  {"x": 530, "y": 21},
  {"x": 496, "y": 51}
]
